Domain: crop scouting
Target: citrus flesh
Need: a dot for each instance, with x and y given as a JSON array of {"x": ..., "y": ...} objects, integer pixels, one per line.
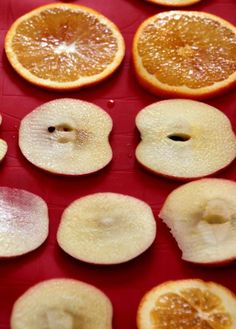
[
  {"x": 185, "y": 53},
  {"x": 64, "y": 46},
  {"x": 187, "y": 304}
]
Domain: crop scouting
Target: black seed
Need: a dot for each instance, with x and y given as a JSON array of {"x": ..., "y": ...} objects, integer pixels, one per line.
[{"x": 51, "y": 129}]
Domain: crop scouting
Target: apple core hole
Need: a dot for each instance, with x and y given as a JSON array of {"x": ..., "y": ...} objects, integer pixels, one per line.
[
  {"x": 179, "y": 137},
  {"x": 64, "y": 127}
]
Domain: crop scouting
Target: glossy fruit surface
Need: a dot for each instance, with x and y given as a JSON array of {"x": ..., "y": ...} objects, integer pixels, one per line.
[{"x": 64, "y": 46}]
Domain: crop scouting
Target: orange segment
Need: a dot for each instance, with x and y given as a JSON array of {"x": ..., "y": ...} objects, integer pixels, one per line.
[
  {"x": 64, "y": 46},
  {"x": 188, "y": 54},
  {"x": 191, "y": 308},
  {"x": 187, "y": 304}
]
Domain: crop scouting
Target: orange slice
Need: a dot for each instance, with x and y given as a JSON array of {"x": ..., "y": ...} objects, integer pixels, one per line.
[
  {"x": 174, "y": 3},
  {"x": 187, "y": 304},
  {"x": 185, "y": 53},
  {"x": 64, "y": 46}
]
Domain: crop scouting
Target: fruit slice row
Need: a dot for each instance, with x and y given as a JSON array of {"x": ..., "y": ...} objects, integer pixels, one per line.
[
  {"x": 103, "y": 228},
  {"x": 175, "y": 53},
  {"x": 68, "y": 304},
  {"x": 181, "y": 139},
  {"x": 111, "y": 228}
]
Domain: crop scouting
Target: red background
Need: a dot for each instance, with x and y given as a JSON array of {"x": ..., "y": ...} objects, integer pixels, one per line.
[{"x": 124, "y": 284}]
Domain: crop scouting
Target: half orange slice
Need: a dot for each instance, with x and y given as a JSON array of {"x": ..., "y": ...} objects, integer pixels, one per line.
[
  {"x": 188, "y": 304},
  {"x": 185, "y": 53},
  {"x": 64, "y": 46}
]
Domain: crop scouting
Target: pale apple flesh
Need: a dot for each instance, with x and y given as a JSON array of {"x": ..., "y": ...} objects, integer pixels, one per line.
[
  {"x": 106, "y": 228},
  {"x": 202, "y": 218},
  {"x": 3, "y": 145},
  {"x": 23, "y": 222},
  {"x": 3, "y": 149},
  {"x": 62, "y": 304},
  {"x": 184, "y": 139},
  {"x": 67, "y": 137},
  {"x": 190, "y": 303}
]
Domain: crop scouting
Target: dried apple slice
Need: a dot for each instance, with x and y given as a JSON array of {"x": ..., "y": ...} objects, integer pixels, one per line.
[
  {"x": 23, "y": 222},
  {"x": 67, "y": 137},
  {"x": 3, "y": 145},
  {"x": 106, "y": 228},
  {"x": 187, "y": 304},
  {"x": 202, "y": 219},
  {"x": 62, "y": 304},
  {"x": 184, "y": 139}
]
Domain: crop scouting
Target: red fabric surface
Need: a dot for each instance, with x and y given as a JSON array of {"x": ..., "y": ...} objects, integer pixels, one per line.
[{"x": 124, "y": 284}]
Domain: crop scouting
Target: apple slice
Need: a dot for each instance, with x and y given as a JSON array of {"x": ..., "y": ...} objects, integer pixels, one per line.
[
  {"x": 184, "y": 139},
  {"x": 62, "y": 304},
  {"x": 106, "y": 228},
  {"x": 202, "y": 219},
  {"x": 3, "y": 145},
  {"x": 187, "y": 304},
  {"x": 23, "y": 222},
  {"x": 67, "y": 137}
]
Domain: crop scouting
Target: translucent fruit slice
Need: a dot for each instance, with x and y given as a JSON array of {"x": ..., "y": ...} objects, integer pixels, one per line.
[
  {"x": 187, "y": 54},
  {"x": 202, "y": 219},
  {"x": 23, "y": 222},
  {"x": 62, "y": 304},
  {"x": 187, "y": 304},
  {"x": 3, "y": 145},
  {"x": 106, "y": 228},
  {"x": 64, "y": 46},
  {"x": 174, "y": 3},
  {"x": 184, "y": 139},
  {"x": 67, "y": 136}
]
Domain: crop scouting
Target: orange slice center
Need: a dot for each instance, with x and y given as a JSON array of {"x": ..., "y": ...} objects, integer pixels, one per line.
[
  {"x": 188, "y": 50},
  {"x": 63, "y": 45},
  {"x": 192, "y": 308}
]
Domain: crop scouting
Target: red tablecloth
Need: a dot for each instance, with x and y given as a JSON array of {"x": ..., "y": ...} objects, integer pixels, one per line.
[{"x": 124, "y": 284}]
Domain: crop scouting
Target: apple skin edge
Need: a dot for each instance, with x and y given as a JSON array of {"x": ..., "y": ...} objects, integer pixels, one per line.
[
  {"x": 107, "y": 264},
  {"x": 66, "y": 175},
  {"x": 69, "y": 175},
  {"x": 183, "y": 179},
  {"x": 6, "y": 258},
  {"x": 221, "y": 263}
]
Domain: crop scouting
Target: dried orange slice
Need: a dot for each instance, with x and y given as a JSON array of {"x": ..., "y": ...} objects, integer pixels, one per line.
[
  {"x": 174, "y": 3},
  {"x": 185, "y": 53},
  {"x": 64, "y": 46},
  {"x": 188, "y": 304}
]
